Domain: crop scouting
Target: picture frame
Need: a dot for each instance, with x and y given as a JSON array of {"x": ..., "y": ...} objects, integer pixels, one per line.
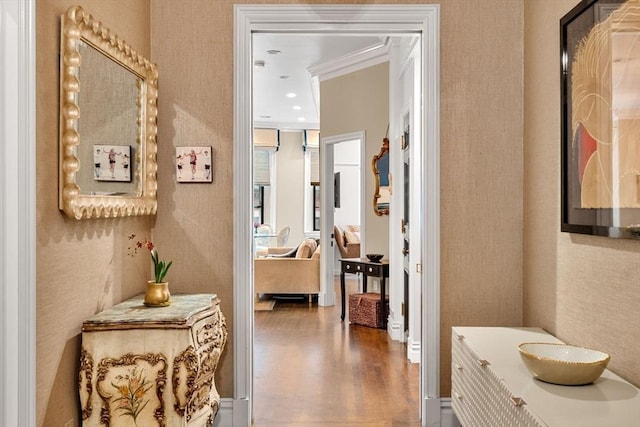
[
  {"x": 600, "y": 120},
  {"x": 112, "y": 163},
  {"x": 194, "y": 164}
]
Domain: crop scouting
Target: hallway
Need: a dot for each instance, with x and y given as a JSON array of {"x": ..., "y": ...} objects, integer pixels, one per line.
[{"x": 313, "y": 370}]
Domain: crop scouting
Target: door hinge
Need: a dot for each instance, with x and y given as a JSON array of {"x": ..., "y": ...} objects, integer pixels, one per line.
[{"x": 418, "y": 268}]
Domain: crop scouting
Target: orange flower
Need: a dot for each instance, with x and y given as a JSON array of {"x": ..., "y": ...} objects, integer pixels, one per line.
[
  {"x": 139, "y": 394},
  {"x": 160, "y": 268}
]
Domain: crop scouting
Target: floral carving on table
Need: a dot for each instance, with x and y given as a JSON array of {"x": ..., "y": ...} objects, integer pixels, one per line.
[
  {"x": 132, "y": 389},
  {"x": 126, "y": 391}
]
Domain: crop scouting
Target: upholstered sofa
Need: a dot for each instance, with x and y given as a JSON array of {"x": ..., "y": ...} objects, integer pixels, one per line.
[
  {"x": 289, "y": 270},
  {"x": 347, "y": 239}
]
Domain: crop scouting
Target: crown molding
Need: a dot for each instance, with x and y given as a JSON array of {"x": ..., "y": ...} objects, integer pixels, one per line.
[{"x": 352, "y": 62}]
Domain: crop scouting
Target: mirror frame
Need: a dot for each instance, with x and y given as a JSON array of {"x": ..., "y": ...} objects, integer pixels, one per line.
[
  {"x": 374, "y": 165},
  {"x": 76, "y": 26}
]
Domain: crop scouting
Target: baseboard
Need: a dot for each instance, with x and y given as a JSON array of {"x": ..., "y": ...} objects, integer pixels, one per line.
[
  {"x": 225, "y": 415},
  {"x": 447, "y": 416},
  {"x": 326, "y": 299},
  {"x": 413, "y": 351},
  {"x": 394, "y": 329}
]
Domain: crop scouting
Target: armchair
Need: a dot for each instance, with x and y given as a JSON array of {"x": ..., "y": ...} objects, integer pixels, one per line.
[{"x": 348, "y": 240}]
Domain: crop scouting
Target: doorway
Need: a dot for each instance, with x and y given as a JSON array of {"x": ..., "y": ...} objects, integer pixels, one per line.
[
  {"x": 327, "y": 260},
  {"x": 414, "y": 19}
]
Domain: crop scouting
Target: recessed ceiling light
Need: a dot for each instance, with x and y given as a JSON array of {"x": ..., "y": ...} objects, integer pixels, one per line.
[
  {"x": 291, "y": 95},
  {"x": 273, "y": 51},
  {"x": 284, "y": 77},
  {"x": 301, "y": 119},
  {"x": 297, "y": 107},
  {"x": 265, "y": 117},
  {"x": 259, "y": 63}
]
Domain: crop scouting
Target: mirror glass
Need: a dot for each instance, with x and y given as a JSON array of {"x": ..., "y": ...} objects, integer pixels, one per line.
[
  {"x": 380, "y": 166},
  {"x": 108, "y": 96},
  {"x": 109, "y": 126}
]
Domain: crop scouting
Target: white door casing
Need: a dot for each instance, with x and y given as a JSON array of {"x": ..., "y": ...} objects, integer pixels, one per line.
[
  {"x": 327, "y": 293},
  {"x": 381, "y": 19},
  {"x": 17, "y": 213}
]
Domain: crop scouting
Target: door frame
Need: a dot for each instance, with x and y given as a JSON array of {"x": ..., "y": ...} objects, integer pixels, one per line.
[
  {"x": 17, "y": 213},
  {"x": 423, "y": 19},
  {"x": 327, "y": 167}
]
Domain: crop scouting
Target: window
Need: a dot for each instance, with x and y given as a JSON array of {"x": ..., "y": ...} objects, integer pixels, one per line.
[
  {"x": 312, "y": 172},
  {"x": 316, "y": 207},
  {"x": 258, "y": 204},
  {"x": 262, "y": 166}
]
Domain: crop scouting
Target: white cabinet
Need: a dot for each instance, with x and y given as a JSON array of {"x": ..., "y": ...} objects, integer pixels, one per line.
[
  {"x": 143, "y": 366},
  {"x": 490, "y": 386}
]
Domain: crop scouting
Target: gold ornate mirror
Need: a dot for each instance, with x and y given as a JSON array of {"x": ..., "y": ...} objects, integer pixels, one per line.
[
  {"x": 108, "y": 110},
  {"x": 380, "y": 166}
]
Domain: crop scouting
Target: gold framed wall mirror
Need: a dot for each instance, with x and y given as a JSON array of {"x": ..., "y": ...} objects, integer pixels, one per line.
[
  {"x": 108, "y": 112},
  {"x": 380, "y": 166}
]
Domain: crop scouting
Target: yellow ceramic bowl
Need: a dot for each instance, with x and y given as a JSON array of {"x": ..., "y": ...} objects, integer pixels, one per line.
[{"x": 563, "y": 364}]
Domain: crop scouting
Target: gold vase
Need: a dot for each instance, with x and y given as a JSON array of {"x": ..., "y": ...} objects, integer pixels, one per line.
[{"x": 157, "y": 294}]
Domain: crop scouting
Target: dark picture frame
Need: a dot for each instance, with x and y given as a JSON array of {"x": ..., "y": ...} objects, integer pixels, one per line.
[{"x": 599, "y": 190}]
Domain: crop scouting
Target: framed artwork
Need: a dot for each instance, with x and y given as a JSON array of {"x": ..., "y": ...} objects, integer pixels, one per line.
[
  {"x": 600, "y": 86},
  {"x": 193, "y": 164},
  {"x": 112, "y": 163}
]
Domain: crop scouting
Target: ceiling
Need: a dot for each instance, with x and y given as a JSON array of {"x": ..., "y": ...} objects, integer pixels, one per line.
[{"x": 281, "y": 67}]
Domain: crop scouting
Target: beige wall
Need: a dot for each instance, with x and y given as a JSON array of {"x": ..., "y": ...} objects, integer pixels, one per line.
[
  {"x": 82, "y": 266},
  {"x": 583, "y": 289},
  {"x": 348, "y": 104},
  {"x": 290, "y": 185},
  {"x": 481, "y": 167},
  {"x": 192, "y": 44}
]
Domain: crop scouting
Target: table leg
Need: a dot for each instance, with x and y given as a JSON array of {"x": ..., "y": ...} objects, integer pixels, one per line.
[
  {"x": 342, "y": 293},
  {"x": 364, "y": 282}
]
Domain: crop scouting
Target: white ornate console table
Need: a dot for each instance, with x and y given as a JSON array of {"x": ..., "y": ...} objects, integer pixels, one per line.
[
  {"x": 492, "y": 387},
  {"x": 152, "y": 366}
]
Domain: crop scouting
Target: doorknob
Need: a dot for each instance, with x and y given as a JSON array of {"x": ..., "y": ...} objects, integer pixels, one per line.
[{"x": 405, "y": 251}]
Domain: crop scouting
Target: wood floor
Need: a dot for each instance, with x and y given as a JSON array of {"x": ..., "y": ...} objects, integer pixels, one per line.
[{"x": 313, "y": 370}]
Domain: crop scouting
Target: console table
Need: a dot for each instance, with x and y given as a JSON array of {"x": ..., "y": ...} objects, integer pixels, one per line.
[
  {"x": 152, "y": 366},
  {"x": 491, "y": 386},
  {"x": 367, "y": 268}
]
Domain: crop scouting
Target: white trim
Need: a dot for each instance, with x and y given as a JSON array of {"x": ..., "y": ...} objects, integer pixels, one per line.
[
  {"x": 243, "y": 217},
  {"x": 224, "y": 417},
  {"x": 431, "y": 209},
  {"x": 352, "y": 62},
  {"x": 327, "y": 262},
  {"x": 447, "y": 416},
  {"x": 378, "y": 19},
  {"x": 327, "y": 295},
  {"x": 17, "y": 213},
  {"x": 395, "y": 329},
  {"x": 413, "y": 350}
]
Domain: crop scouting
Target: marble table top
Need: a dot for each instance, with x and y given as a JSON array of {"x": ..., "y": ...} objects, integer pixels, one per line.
[{"x": 182, "y": 312}]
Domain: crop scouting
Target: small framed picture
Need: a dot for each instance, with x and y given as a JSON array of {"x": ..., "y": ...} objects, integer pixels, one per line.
[
  {"x": 193, "y": 164},
  {"x": 112, "y": 163}
]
